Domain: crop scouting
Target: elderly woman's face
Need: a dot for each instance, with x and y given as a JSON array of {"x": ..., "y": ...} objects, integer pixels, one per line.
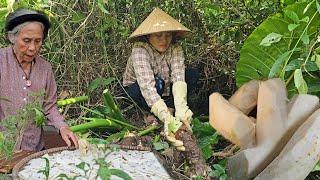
[
  {"x": 160, "y": 41},
  {"x": 28, "y": 42}
]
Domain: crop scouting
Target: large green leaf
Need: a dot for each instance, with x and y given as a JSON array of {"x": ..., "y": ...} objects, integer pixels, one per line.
[{"x": 256, "y": 61}]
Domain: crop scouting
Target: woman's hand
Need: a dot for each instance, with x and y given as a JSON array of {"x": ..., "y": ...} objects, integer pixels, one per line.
[
  {"x": 185, "y": 117},
  {"x": 170, "y": 132},
  {"x": 67, "y": 134},
  {"x": 183, "y": 113}
]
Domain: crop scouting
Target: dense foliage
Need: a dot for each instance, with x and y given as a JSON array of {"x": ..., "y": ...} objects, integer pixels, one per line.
[
  {"x": 88, "y": 39},
  {"x": 87, "y": 45},
  {"x": 285, "y": 45}
]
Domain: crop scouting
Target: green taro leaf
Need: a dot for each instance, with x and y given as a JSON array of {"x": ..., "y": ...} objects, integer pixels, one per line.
[
  {"x": 292, "y": 15},
  {"x": 317, "y": 60},
  {"x": 307, "y": 7},
  {"x": 305, "y": 38},
  {"x": 317, "y": 167},
  {"x": 102, "y": 6},
  {"x": 299, "y": 63},
  {"x": 223, "y": 177},
  {"x": 103, "y": 171},
  {"x": 83, "y": 166},
  {"x": 278, "y": 65},
  {"x": 313, "y": 86},
  {"x": 305, "y": 19},
  {"x": 117, "y": 136},
  {"x": 219, "y": 168},
  {"x": 98, "y": 82},
  {"x": 160, "y": 145},
  {"x": 318, "y": 6},
  {"x": 173, "y": 126},
  {"x": 270, "y": 39},
  {"x": 120, "y": 173},
  {"x": 77, "y": 17},
  {"x": 291, "y": 27},
  {"x": 299, "y": 82},
  {"x": 63, "y": 177},
  {"x": 40, "y": 118},
  {"x": 256, "y": 61},
  {"x": 112, "y": 107},
  {"x": 201, "y": 129}
]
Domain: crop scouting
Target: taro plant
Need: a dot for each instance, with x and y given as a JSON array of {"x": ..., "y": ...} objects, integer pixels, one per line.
[
  {"x": 15, "y": 124},
  {"x": 46, "y": 170},
  {"x": 219, "y": 170},
  {"x": 106, "y": 116},
  {"x": 5, "y": 176},
  {"x": 285, "y": 45},
  {"x": 206, "y": 136},
  {"x": 104, "y": 171}
]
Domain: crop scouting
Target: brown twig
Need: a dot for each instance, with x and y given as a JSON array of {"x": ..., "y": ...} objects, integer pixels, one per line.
[{"x": 228, "y": 151}]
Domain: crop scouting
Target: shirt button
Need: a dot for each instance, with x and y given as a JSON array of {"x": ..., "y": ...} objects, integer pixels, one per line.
[
  {"x": 24, "y": 88},
  {"x": 23, "y": 77},
  {"x": 24, "y": 99}
]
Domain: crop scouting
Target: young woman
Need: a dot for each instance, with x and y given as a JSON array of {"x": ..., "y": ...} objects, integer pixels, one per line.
[{"x": 155, "y": 72}]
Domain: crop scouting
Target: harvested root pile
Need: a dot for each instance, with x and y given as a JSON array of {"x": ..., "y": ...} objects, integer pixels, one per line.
[{"x": 193, "y": 153}]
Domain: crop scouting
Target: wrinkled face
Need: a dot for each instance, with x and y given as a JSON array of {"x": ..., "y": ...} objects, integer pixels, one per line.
[
  {"x": 28, "y": 42},
  {"x": 160, "y": 41}
]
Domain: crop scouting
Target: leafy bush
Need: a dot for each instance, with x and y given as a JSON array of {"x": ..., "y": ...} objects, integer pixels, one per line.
[
  {"x": 88, "y": 39},
  {"x": 285, "y": 45}
]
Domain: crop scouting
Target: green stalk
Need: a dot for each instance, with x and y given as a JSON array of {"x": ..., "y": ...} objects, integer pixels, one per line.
[
  {"x": 95, "y": 123},
  {"x": 113, "y": 120},
  {"x": 78, "y": 99},
  {"x": 294, "y": 48},
  {"x": 92, "y": 111},
  {"x": 109, "y": 102},
  {"x": 148, "y": 130}
]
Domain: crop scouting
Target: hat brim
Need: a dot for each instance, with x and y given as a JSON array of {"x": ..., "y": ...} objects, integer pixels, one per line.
[
  {"x": 29, "y": 17},
  {"x": 179, "y": 34}
]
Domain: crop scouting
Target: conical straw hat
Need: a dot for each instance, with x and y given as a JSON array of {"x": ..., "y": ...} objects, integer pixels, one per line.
[{"x": 159, "y": 21}]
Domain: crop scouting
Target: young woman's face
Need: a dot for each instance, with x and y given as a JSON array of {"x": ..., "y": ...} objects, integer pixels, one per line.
[{"x": 160, "y": 41}]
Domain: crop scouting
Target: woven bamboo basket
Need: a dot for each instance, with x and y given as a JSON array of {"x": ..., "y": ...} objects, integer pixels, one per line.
[{"x": 16, "y": 169}]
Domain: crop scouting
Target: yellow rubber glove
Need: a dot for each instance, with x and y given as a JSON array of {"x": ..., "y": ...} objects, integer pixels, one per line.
[
  {"x": 171, "y": 124},
  {"x": 183, "y": 113}
]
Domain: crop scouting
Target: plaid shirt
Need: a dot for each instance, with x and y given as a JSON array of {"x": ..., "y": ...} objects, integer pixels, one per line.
[{"x": 145, "y": 62}]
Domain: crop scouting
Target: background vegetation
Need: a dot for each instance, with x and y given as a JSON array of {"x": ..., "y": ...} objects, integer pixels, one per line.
[{"x": 88, "y": 38}]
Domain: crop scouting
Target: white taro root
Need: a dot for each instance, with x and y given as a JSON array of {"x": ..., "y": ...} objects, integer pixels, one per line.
[
  {"x": 300, "y": 154},
  {"x": 274, "y": 127},
  {"x": 246, "y": 97},
  {"x": 230, "y": 121}
]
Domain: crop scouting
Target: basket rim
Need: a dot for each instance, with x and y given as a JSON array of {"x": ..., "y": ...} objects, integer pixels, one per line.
[{"x": 19, "y": 165}]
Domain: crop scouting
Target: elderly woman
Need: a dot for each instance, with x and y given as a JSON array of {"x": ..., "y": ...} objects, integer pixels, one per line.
[
  {"x": 155, "y": 72},
  {"x": 23, "y": 71}
]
